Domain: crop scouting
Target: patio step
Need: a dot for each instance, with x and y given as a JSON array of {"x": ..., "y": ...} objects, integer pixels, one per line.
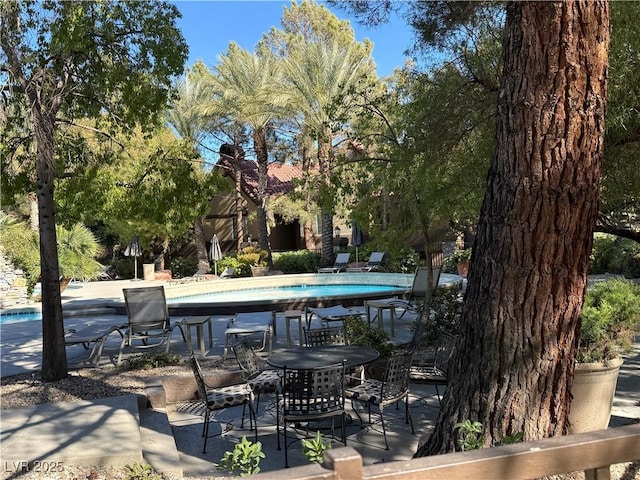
[{"x": 158, "y": 445}]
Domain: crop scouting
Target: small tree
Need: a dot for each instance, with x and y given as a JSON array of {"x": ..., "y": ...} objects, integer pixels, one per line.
[{"x": 64, "y": 61}]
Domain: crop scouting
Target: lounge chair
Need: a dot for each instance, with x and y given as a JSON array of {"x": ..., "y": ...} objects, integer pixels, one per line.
[
  {"x": 250, "y": 323},
  {"x": 374, "y": 263},
  {"x": 94, "y": 334},
  {"x": 149, "y": 323},
  {"x": 414, "y": 303},
  {"x": 337, "y": 313},
  {"x": 341, "y": 262}
]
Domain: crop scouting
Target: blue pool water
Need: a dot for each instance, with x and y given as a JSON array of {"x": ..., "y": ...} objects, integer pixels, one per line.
[
  {"x": 274, "y": 293},
  {"x": 20, "y": 317},
  {"x": 287, "y": 292}
]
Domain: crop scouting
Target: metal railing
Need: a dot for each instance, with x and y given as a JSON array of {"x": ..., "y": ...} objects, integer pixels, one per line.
[{"x": 592, "y": 452}]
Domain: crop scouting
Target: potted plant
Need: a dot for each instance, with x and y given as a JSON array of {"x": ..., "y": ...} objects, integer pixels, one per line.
[
  {"x": 462, "y": 258},
  {"x": 610, "y": 321},
  {"x": 256, "y": 258}
]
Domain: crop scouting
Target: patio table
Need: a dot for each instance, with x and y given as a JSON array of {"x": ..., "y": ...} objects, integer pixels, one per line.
[{"x": 307, "y": 358}]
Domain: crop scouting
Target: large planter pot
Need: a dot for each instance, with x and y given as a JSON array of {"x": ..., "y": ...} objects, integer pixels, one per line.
[
  {"x": 259, "y": 271},
  {"x": 463, "y": 268},
  {"x": 594, "y": 386}
]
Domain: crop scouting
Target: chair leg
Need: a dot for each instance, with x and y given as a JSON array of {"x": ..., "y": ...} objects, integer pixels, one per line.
[
  {"x": 407, "y": 414},
  {"x": 278, "y": 424},
  {"x": 122, "y": 344},
  {"x": 384, "y": 430},
  {"x": 205, "y": 429},
  {"x": 353, "y": 407},
  {"x": 286, "y": 441}
]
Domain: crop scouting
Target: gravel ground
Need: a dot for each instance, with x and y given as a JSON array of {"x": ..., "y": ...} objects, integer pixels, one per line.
[{"x": 86, "y": 384}]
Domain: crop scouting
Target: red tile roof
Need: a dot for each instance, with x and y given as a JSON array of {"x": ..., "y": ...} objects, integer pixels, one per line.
[{"x": 280, "y": 177}]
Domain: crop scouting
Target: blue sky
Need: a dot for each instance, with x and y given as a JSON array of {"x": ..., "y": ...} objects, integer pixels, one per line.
[{"x": 209, "y": 25}]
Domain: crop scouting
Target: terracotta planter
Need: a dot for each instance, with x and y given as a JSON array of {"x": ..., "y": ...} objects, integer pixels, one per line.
[
  {"x": 463, "y": 268},
  {"x": 594, "y": 386}
]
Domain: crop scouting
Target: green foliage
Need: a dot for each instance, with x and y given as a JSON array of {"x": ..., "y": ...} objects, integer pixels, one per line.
[
  {"x": 610, "y": 319},
  {"x": 21, "y": 246},
  {"x": 300, "y": 261},
  {"x": 124, "y": 266},
  {"x": 359, "y": 332},
  {"x": 314, "y": 449},
  {"x": 185, "y": 266},
  {"x": 144, "y": 361},
  {"x": 253, "y": 256},
  {"x": 510, "y": 439},
  {"x": 231, "y": 261},
  {"x": 137, "y": 471},
  {"x": 446, "y": 311},
  {"x": 244, "y": 460},
  {"x": 77, "y": 248},
  {"x": 612, "y": 254},
  {"x": 406, "y": 260},
  {"x": 470, "y": 435},
  {"x": 461, "y": 256}
]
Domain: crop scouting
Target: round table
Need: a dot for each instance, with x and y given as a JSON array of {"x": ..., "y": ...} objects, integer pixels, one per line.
[{"x": 307, "y": 358}]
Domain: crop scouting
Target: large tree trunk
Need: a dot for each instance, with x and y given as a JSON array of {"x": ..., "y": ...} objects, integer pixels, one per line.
[
  {"x": 326, "y": 197},
  {"x": 54, "y": 356},
  {"x": 201, "y": 244},
  {"x": 260, "y": 146},
  {"x": 513, "y": 366}
]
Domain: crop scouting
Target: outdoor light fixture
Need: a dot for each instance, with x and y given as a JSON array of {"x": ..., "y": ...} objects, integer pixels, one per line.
[{"x": 337, "y": 231}]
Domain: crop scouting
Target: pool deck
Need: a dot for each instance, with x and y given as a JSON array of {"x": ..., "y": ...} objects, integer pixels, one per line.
[{"x": 84, "y": 432}]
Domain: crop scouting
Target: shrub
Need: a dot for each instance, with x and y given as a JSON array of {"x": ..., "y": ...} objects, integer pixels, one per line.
[
  {"x": 360, "y": 332},
  {"x": 137, "y": 471},
  {"x": 301, "y": 261},
  {"x": 253, "y": 256},
  {"x": 314, "y": 449},
  {"x": 184, "y": 266},
  {"x": 244, "y": 460},
  {"x": 446, "y": 310},
  {"x": 612, "y": 254},
  {"x": 144, "y": 361},
  {"x": 610, "y": 319}
]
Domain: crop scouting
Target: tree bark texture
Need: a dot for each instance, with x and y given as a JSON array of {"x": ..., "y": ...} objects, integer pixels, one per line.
[
  {"x": 201, "y": 244},
  {"x": 326, "y": 202},
  {"x": 54, "y": 356},
  {"x": 512, "y": 368},
  {"x": 262, "y": 155}
]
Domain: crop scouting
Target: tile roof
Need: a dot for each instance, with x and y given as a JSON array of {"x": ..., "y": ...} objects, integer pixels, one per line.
[{"x": 280, "y": 177}]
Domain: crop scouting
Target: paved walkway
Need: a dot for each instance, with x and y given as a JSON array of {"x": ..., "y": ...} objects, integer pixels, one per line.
[{"x": 73, "y": 433}]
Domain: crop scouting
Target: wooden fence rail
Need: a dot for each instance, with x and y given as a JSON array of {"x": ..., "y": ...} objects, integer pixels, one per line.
[{"x": 591, "y": 452}]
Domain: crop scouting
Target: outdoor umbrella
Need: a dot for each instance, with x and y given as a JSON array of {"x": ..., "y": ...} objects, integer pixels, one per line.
[
  {"x": 215, "y": 253},
  {"x": 357, "y": 238},
  {"x": 134, "y": 250}
]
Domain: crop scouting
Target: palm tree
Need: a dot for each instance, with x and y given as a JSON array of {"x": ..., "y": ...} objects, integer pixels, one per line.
[
  {"x": 185, "y": 118},
  {"x": 249, "y": 88},
  {"x": 322, "y": 81}
]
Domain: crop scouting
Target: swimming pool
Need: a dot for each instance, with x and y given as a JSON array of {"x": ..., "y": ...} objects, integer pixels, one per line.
[
  {"x": 20, "y": 316},
  {"x": 277, "y": 292}
]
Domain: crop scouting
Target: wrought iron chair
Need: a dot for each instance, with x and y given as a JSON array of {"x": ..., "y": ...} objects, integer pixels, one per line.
[
  {"x": 309, "y": 395},
  {"x": 433, "y": 370},
  {"x": 393, "y": 387},
  {"x": 315, "y": 337},
  {"x": 254, "y": 370},
  {"x": 218, "y": 398}
]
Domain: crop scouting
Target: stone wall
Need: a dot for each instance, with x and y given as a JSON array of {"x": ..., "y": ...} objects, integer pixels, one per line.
[{"x": 13, "y": 284}]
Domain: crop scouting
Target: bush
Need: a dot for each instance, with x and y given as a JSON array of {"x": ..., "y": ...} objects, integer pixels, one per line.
[
  {"x": 360, "y": 332},
  {"x": 446, "y": 311},
  {"x": 405, "y": 261},
  {"x": 184, "y": 266},
  {"x": 612, "y": 254},
  {"x": 301, "y": 261},
  {"x": 610, "y": 320}
]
